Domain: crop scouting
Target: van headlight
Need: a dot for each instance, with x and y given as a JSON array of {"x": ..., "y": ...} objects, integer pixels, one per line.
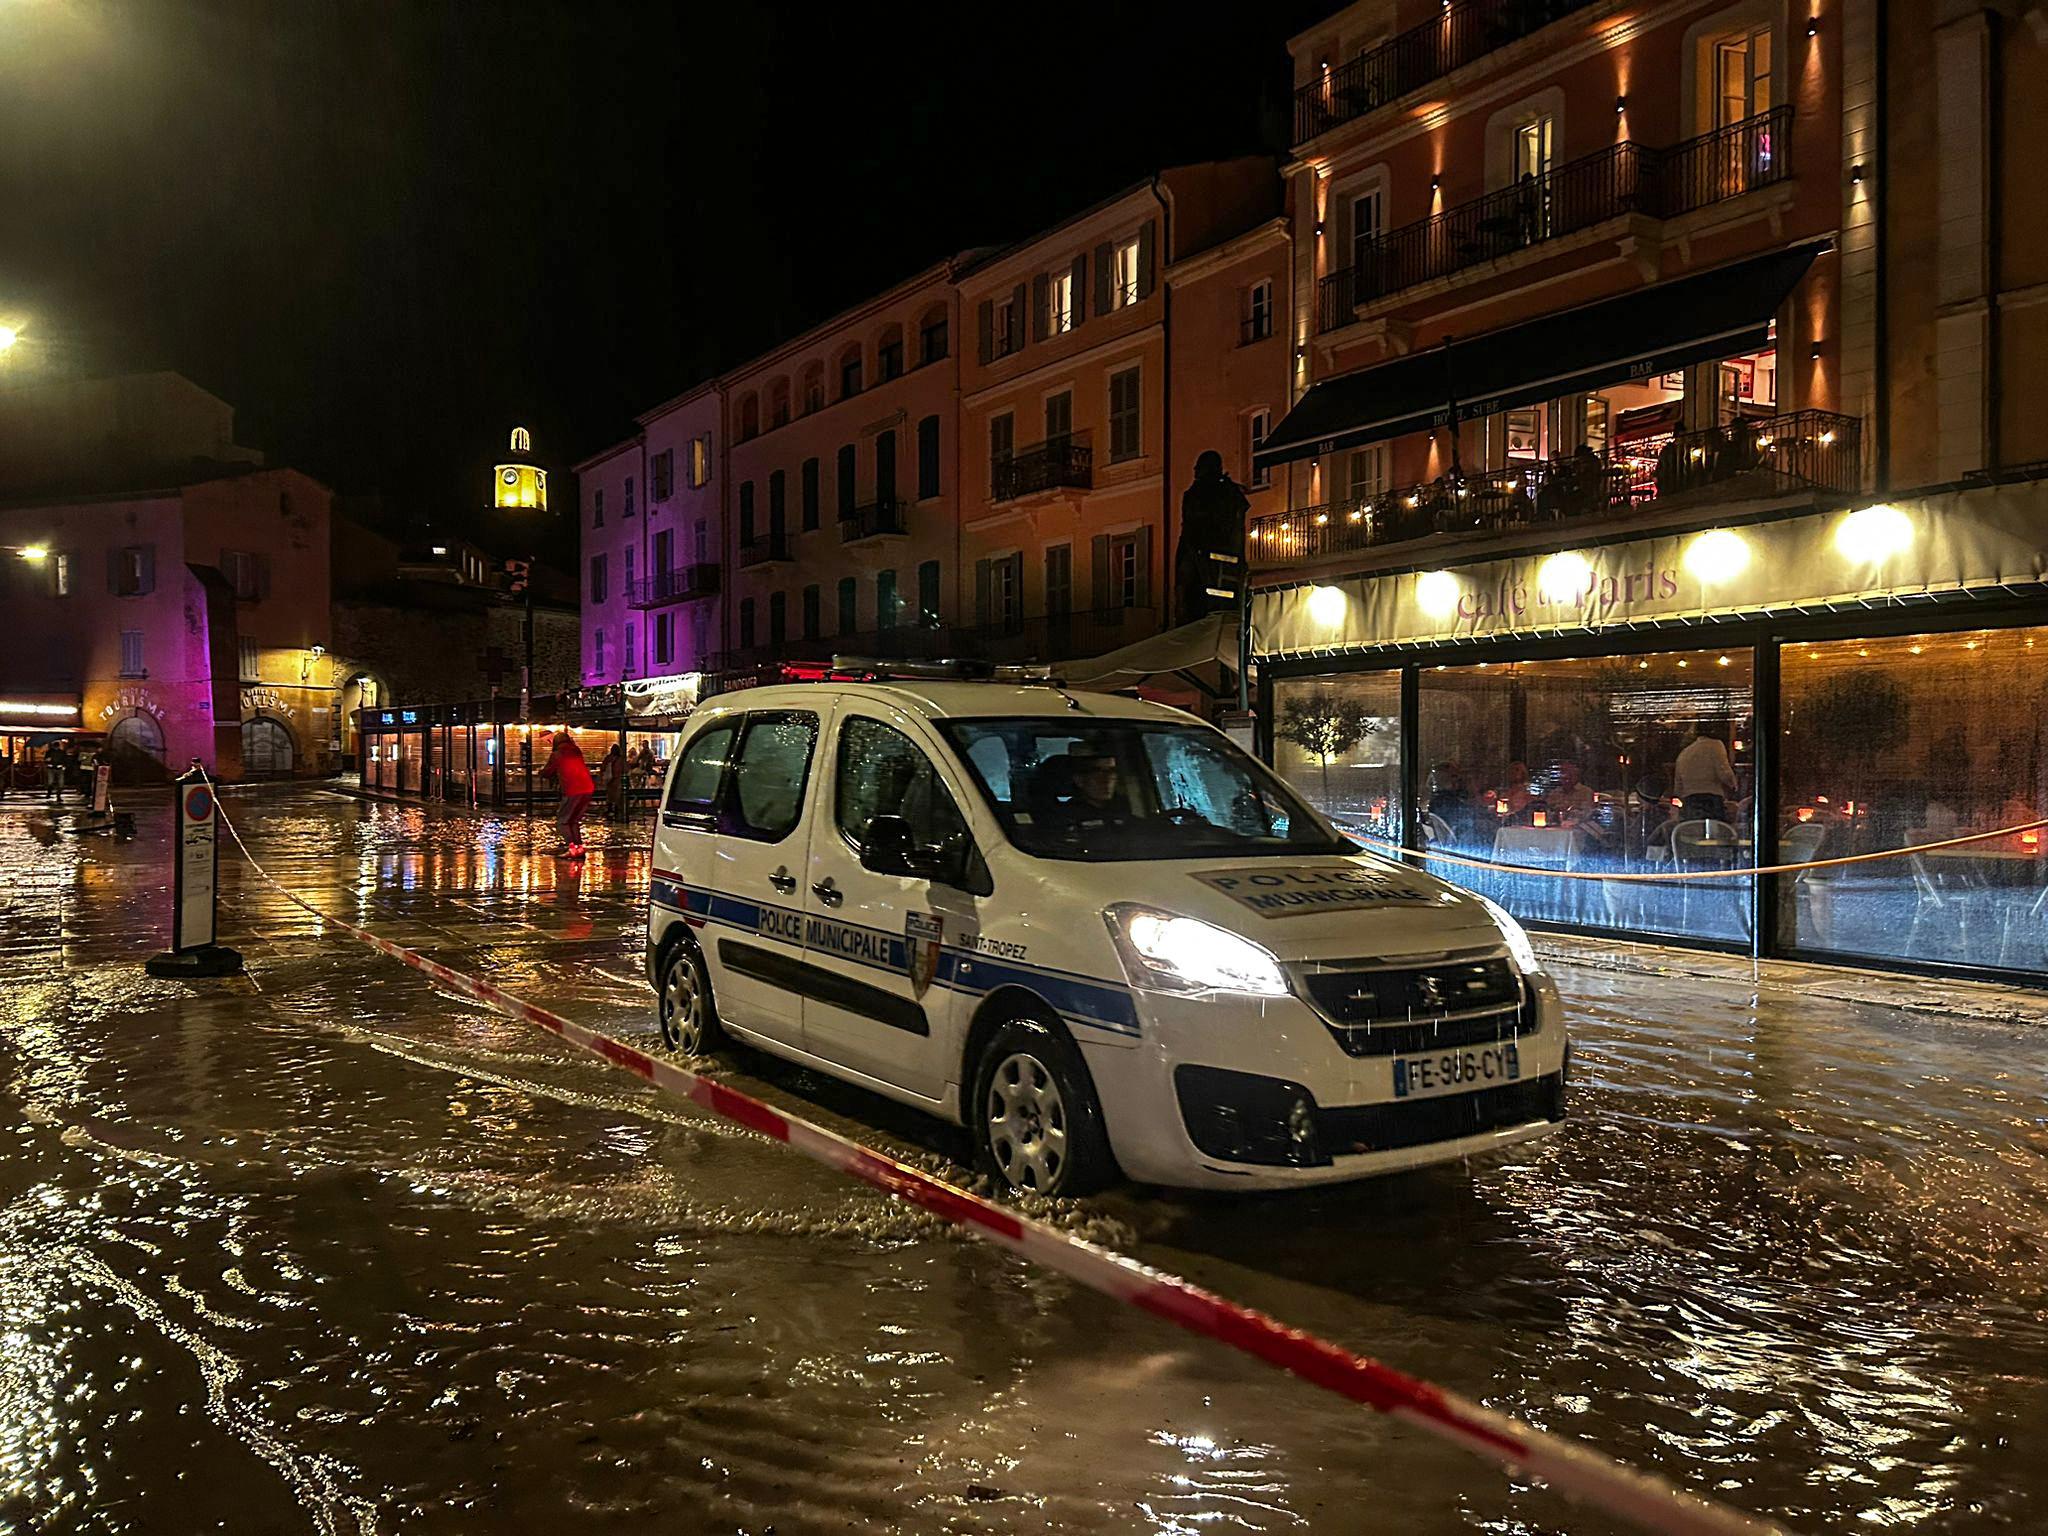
[
  {"x": 1520, "y": 950},
  {"x": 1165, "y": 953}
]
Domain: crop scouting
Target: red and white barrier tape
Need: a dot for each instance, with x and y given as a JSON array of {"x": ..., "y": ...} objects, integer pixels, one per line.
[{"x": 1580, "y": 1472}]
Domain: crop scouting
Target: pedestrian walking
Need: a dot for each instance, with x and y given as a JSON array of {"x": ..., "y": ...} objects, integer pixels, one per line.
[
  {"x": 565, "y": 765},
  {"x": 53, "y": 772},
  {"x": 612, "y": 775}
]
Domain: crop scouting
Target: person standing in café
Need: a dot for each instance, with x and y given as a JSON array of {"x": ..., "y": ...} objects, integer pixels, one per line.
[{"x": 1704, "y": 779}]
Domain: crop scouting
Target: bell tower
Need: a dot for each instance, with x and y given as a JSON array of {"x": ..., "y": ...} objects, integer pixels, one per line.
[{"x": 520, "y": 484}]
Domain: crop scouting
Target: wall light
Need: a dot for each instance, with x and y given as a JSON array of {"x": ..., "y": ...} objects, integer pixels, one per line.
[
  {"x": 1856, "y": 174},
  {"x": 1435, "y": 182},
  {"x": 1717, "y": 555},
  {"x": 1327, "y": 606},
  {"x": 1873, "y": 535},
  {"x": 1620, "y": 105},
  {"x": 34, "y": 552},
  {"x": 1815, "y": 353},
  {"x": 1437, "y": 593},
  {"x": 1813, "y": 26}
]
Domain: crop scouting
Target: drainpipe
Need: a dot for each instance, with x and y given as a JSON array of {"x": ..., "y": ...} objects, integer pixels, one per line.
[
  {"x": 1994, "y": 83},
  {"x": 1881, "y": 373},
  {"x": 1163, "y": 254}
]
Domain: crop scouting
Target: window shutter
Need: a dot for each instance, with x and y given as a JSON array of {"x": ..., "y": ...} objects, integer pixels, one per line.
[
  {"x": 1145, "y": 258},
  {"x": 982, "y": 584},
  {"x": 262, "y": 577},
  {"x": 1080, "y": 296},
  {"x": 985, "y": 318},
  {"x": 1144, "y": 568},
  {"x": 1041, "y": 307},
  {"x": 114, "y": 572},
  {"x": 1019, "y": 297},
  {"x": 149, "y": 568},
  {"x": 1105, "y": 264},
  {"x": 1100, "y": 556},
  {"x": 1016, "y": 564}
]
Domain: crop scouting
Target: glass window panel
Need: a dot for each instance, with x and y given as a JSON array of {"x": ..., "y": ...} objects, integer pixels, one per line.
[
  {"x": 769, "y": 776},
  {"x": 1337, "y": 743},
  {"x": 1577, "y": 765},
  {"x": 1897, "y": 742},
  {"x": 882, "y": 772}
]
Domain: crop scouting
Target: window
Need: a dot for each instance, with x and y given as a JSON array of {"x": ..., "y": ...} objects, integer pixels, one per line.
[
  {"x": 1059, "y": 417},
  {"x": 1256, "y": 475},
  {"x": 849, "y": 375},
  {"x": 889, "y": 358},
  {"x": 928, "y": 594},
  {"x": 664, "y": 638},
  {"x": 1258, "y": 314},
  {"x": 132, "y": 570},
  {"x": 999, "y": 592},
  {"x": 131, "y": 654},
  {"x": 1126, "y": 572},
  {"x": 778, "y": 404},
  {"x": 1003, "y": 332},
  {"x": 703, "y": 541},
  {"x": 845, "y": 476},
  {"x": 1365, "y": 472},
  {"x": 1002, "y": 447},
  {"x": 629, "y": 658},
  {"x": 814, "y": 389},
  {"x": 1362, "y": 230},
  {"x": 626, "y": 509},
  {"x": 746, "y": 513},
  {"x": 1532, "y": 158},
  {"x": 700, "y": 460},
  {"x": 597, "y": 581},
  {"x": 245, "y": 572},
  {"x": 1337, "y": 744},
  {"x": 746, "y": 623},
  {"x": 928, "y": 457},
  {"x": 811, "y": 617},
  {"x": 849, "y": 605},
  {"x": 1123, "y": 287},
  {"x": 1525, "y": 432},
  {"x": 663, "y": 483},
  {"x": 885, "y": 599},
  {"x": 778, "y": 506},
  {"x": 1595, "y": 435},
  {"x": 626, "y": 585},
  {"x": 1059, "y": 303},
  {"x": 1742, "y": 76},
  {"x": 60, "y": 575},
  {"x": 778, "y": 617},
  {"x": 693, "y": 788},
  {"x": 750, "y": 418},
  {"x": 882, "y": 772},
  {"x": 664, "y": 560},
  {"x": 250, "y": 661},
  {"x": 1059, "y": 580},
  {"x": 807, "y": 492},
  {"x": 597, "y": 509},
  {"x": 1126, "y": 436},
  {"x": 932, "y": 339},
  {"x": 597, "y": 650}
]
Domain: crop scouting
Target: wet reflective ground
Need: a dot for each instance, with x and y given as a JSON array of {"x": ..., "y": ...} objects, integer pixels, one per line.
[{"x": 322, "y": 1249}]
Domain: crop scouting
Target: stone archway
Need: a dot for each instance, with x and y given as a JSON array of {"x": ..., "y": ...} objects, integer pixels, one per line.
[
  {"x": 268, "y": 749},
  {"x": 136, "y": 747}
]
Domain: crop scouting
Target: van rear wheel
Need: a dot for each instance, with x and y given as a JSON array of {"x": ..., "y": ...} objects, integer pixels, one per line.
[
  {"x": 1036, "y": 1122},
  {"x": 689, "y": 1020}
]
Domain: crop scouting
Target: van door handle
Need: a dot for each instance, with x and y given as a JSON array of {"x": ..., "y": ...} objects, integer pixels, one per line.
[
  {"x": 827, "y": 892},
  {"x": 783, "y": 880}
]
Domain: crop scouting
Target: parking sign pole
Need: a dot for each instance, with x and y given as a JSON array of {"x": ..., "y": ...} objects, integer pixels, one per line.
[{"x": 195, "y": 885}]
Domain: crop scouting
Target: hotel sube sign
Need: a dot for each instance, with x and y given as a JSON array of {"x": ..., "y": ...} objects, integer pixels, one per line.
[{"x": 1972, "y": 540}]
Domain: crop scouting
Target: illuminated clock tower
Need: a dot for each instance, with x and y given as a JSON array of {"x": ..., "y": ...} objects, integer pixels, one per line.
[{"x": 520, "y": 485}]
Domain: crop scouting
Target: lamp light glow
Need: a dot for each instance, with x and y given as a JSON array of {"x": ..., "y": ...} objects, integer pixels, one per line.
[
  {"x": 1437, "y": 593},
  {"x": 1327, "y": 606},
  {"x": 1717, "y": 555},
  {"x": 1873, "y": 535},
  {"x": 1565, "y": 574}
]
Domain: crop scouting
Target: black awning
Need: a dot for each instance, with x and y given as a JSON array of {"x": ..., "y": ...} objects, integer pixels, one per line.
[{"x": 1634, "y": 336}]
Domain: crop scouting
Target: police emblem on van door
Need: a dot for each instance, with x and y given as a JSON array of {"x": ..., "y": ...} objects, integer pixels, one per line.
[{"x": 924, "y": 934}]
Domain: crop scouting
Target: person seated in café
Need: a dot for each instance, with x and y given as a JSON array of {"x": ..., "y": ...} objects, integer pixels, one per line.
[
  {"x": 1516, "y": 792},
  {"x": 1587, "y": 482},
  {"x": 1450, "y": 800},
  {"x": 1703, "y": 778},
  {"x": 1571, "y": 803}
]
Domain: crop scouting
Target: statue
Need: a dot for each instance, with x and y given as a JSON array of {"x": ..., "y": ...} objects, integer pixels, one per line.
[{"x": 1212, "y": 512}]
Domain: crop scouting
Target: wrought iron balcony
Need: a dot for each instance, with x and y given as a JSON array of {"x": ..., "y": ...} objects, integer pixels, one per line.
[
  {"x": 879, "y": 519},
  {"x": 1412, "y": 59},
  {"x": 678, "y": 585},
  {"x": 1626, "y": 178},
  {"x": 768, "y": 550},
  {"x": 1759, "y": 457},
  {"x": 1046, "y": 466}
]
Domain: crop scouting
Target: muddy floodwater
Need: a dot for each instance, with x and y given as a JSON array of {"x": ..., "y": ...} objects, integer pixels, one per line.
[{"x": 324, "y": 1249}]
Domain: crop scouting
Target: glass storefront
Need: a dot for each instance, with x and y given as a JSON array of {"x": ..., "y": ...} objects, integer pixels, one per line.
[
  {"x": 1337, "y": 743},
  {"x": 1911, "y": 739}
]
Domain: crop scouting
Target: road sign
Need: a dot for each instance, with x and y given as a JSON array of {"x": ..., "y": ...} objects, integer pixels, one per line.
[{"x": 195, "y": 883}]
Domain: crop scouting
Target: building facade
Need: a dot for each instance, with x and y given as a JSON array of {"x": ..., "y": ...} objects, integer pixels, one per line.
[{"x": 1654, "y": 518}]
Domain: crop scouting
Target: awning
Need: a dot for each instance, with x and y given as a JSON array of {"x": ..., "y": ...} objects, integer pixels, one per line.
[
  {"x": 1636, "y": 335},
  {"x": 1202, "y": 656}
]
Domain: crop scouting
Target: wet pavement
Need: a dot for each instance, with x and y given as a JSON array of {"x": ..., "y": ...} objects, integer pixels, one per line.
[{"x": 324, "y": 1249}]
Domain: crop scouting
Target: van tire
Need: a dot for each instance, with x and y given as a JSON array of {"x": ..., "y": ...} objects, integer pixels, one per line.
[
  {"x": 1035, "y": 1120},
  {"x": 683, "y": 1006}
]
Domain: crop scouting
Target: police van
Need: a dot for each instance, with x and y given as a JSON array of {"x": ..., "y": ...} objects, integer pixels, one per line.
[{"x": 1091, "y": 929}]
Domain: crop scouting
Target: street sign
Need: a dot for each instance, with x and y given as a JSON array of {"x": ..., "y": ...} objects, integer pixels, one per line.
[
  {"x": 102, "y": 788},
  {"x": 195, "y": 880}
]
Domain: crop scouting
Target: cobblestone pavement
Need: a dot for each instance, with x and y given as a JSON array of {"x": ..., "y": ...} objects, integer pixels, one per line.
[{"x": 321, "y": 1248}]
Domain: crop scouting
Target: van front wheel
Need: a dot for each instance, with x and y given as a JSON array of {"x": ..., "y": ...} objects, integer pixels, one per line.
[
  {"x": 689, "y": 1021},
  {"x": 1037, "y": 1126}
]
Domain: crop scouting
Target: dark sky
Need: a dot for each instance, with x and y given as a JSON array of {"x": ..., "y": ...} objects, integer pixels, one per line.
[{"x": 386, "y": 231}]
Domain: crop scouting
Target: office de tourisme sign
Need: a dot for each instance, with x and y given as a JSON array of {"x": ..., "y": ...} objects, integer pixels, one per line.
[{"x": 1983, "y": 538}]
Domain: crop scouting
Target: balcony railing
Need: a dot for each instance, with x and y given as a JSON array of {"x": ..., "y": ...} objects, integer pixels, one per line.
[
  {"x": 1056, "y": 462},
  {"x": 1410, "y": 60},
  {"x": 679, "y": 585},
  {"x": 764, "y": 551},
  {"x": 1626, "y": 178},
  {"x": 1761, "y": 456},
  {"x": 878, "y": 519}
]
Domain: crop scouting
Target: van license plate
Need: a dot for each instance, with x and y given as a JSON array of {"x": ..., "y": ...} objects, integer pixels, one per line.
[{"x": 1441, "y": 1072}]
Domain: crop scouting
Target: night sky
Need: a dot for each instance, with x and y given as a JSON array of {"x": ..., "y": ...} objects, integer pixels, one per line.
[{"x": 386, "y": 231}]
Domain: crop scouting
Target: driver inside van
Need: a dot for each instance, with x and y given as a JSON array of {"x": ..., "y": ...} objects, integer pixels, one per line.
[{"x": 1098, "y": 801}]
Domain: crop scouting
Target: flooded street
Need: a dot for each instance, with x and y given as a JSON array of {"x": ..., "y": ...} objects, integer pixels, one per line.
[{"x": 324, "y": 1249}]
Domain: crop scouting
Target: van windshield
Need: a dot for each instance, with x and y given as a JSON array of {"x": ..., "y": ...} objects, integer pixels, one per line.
[{"x": 1067, "y": 788}]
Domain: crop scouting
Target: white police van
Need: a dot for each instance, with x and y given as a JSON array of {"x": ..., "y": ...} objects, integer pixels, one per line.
[{"x": 1090, "y": 928}]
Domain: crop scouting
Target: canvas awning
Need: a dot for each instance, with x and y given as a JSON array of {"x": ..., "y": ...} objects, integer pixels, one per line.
[
  {"x": 1202, "y": 655},
  {"x": 1635, "y": 335}
]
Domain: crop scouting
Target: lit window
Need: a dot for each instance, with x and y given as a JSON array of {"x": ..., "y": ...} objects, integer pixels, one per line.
[
  {"x": 1257, "y": 425},
  {"x": 1059, "y": 303},
  {"x": 1124, "y": 286}
]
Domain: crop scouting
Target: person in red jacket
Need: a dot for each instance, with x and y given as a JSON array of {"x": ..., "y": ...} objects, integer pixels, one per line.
[{"x": 567, "y": 768}]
